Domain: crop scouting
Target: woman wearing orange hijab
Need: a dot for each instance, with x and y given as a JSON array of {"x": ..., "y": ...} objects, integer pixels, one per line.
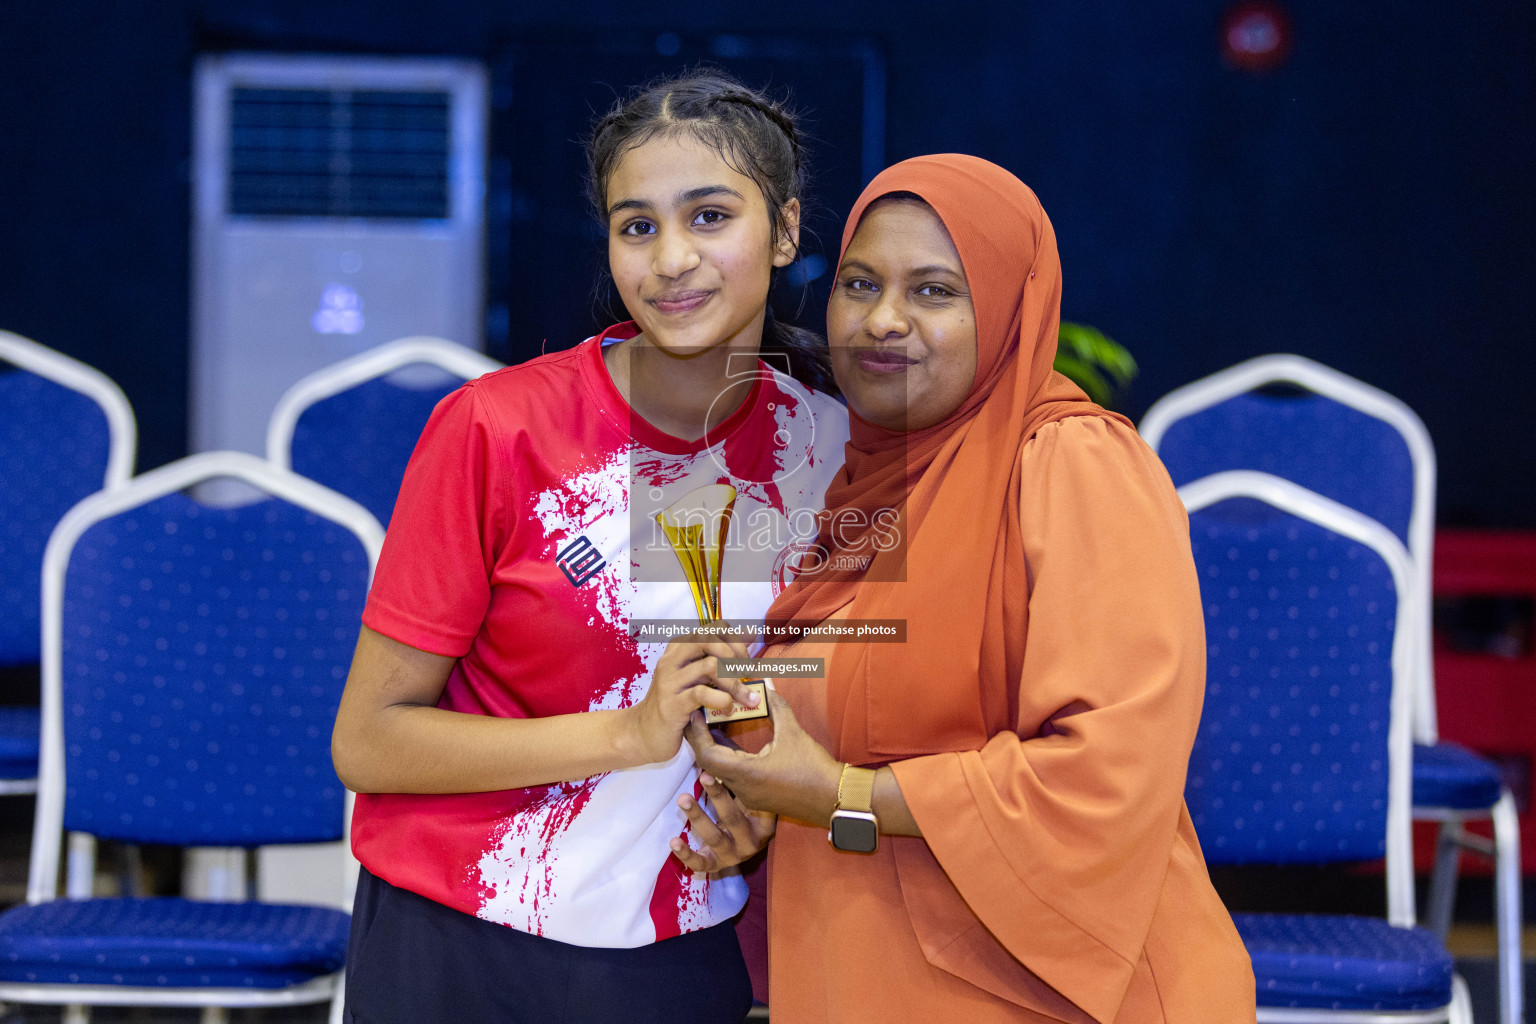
[{"x": 1022, "y": 754}]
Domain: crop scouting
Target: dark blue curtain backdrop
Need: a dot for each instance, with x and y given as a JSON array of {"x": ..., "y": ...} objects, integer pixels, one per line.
[{"x": 1369, "y": 205}]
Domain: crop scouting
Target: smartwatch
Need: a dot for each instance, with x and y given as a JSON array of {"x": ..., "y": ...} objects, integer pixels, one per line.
[{"x": 854, "y": 826}]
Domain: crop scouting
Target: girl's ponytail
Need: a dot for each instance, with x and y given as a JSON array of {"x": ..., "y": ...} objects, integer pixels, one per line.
[{"x": 802, "y": 354}]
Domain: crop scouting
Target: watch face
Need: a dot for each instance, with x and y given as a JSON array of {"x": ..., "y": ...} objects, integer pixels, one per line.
[{"x": 854, "y": 832}]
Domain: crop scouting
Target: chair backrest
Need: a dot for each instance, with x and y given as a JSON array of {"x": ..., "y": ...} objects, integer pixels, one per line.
[
  {"x": 193, "y": 660},
  {"x": 353, "y": 426},
  {"x": 66, "y": 431},
  {"x": 1336, "y": 436},
  {"x": 1304, "y": 752}
]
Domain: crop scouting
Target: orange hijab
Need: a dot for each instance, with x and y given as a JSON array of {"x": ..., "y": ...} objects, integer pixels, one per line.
[{"x": 959, "y": 579}]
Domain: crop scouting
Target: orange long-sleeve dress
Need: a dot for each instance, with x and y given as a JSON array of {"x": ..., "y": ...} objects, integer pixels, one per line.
[{"x": 1059, "y": 877}]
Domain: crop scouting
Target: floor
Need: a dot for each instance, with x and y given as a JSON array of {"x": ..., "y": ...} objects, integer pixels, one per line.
[
  {"x": 1472, "y": 945},
  {"x": 1472, "y": 942}
]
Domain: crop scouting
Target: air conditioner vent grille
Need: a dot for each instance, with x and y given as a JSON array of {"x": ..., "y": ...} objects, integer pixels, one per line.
[{"x": 339, "y": 153}]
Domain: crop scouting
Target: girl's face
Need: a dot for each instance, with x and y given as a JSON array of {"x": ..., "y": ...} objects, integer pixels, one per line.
[
  {"x": 901, "y": 326},
  {"x": 691, "y": 246}
]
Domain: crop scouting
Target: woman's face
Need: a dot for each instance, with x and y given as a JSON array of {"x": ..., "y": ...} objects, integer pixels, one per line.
[
  {"x": 901, "y": 326},
  {"x": 691, "y": 245}
]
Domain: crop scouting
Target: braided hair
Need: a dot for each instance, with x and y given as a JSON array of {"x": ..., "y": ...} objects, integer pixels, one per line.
[{"x": 756, "y": 136}]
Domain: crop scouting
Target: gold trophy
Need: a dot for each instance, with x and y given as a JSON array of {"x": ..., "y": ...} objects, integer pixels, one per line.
[{"x": 696, "y": 526}]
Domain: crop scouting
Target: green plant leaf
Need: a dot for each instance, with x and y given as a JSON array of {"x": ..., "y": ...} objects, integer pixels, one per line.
[
  {"x": 1093, "y": 360},
  {"x": 1085, "y": 377}
]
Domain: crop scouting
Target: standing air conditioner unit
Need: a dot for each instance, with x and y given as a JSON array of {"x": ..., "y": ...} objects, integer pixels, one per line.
[{"x": 338, "y": 204}]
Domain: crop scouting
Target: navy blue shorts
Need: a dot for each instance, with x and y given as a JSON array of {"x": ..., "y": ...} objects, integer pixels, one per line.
[{"x": 412, "y": 960}]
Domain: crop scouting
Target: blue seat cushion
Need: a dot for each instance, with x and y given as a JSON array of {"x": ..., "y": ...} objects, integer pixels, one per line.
[
  {"x": 1446, "y": 775},
  {"x": 1335, "y": 962},
  {"x": 19, "y": 730},
  {"x": 170, "y": 942}
]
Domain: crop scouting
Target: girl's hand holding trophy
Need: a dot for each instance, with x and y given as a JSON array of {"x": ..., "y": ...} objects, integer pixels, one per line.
[{"x": 696, "y": 526}]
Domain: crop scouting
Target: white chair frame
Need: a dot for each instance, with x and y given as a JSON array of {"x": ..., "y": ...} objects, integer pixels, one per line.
[
  {"x": 376, "y": 362},
  {"x": 43, "y": 876},
  {"x": 1305, "y": 504},
  {"x": 1346, "y": 390},
  {"x": 1504, "y": 850},
  {"x": 122, "y": 430},
  {"x": 89, "y": 381}
]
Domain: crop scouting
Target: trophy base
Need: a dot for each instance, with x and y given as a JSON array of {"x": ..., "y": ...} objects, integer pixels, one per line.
[{"x": 740, "y": 712}]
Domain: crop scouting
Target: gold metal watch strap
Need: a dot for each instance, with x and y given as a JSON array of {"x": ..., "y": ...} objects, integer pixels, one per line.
[{"x": 856, "y": 789}]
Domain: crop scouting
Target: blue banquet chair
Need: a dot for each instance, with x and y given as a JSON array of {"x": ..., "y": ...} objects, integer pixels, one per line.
[
  {"x": 1365, "y": 449},
  {"x": 352, "y": 426},
  {"x": 1304, "y": 748},
  {"x": 193, "y": 659},
  {"x": 66, "y": 431}
]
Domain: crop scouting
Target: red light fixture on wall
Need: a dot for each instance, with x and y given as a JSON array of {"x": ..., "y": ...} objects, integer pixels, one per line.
[{"x": 1255, "y": 35}]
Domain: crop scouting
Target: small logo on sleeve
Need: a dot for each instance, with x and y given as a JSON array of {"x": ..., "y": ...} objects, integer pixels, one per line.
[{"x": 580, "y": 561}]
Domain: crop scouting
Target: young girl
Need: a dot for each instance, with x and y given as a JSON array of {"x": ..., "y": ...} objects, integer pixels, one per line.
[{"x": 513, "y": 721}]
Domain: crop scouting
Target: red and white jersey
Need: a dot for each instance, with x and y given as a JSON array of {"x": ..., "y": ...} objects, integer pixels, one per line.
[{"x": 524, "y": 543}]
